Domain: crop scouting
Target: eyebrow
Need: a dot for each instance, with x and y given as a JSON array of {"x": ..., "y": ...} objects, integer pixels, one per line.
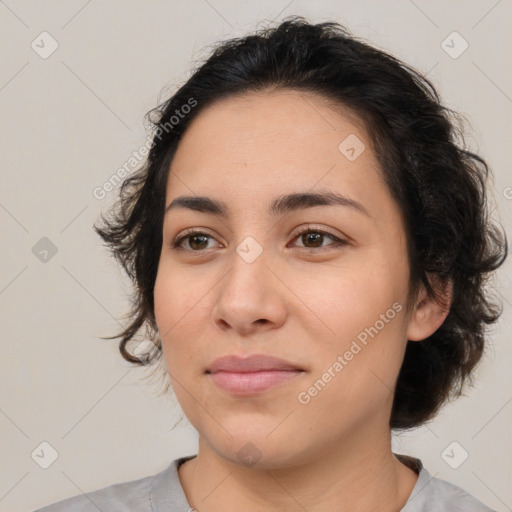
[{"x": 280, "y": 205}]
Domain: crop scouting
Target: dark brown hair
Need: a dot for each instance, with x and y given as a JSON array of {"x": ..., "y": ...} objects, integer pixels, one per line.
[{"x": 439, "y": 185}]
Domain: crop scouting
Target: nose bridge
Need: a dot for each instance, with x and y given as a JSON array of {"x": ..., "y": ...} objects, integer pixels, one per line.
[
  {"x": 248, "y": 267},
  {"x": 249, "y": 293}
]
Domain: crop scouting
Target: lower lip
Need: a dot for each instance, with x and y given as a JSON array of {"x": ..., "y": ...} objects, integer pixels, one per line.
[{"x": 250, "y": 383}]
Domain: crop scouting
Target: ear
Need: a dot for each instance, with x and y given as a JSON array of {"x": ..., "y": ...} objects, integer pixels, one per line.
[{"x": 427, "y": 315}]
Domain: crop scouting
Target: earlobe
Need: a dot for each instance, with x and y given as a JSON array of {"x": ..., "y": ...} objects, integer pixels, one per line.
[{"x": 428, "y": 314}]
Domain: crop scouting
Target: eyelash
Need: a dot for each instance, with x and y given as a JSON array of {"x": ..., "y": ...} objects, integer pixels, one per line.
[{"x": 309, "y": 229}]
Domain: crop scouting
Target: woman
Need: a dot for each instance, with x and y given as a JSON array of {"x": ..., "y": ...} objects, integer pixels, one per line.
[{"x": 309, "y": 246}]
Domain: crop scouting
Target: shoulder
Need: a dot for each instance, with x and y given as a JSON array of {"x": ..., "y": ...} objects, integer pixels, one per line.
[
  {"x": 133, "y": 495},
  {"x": 432, "y": 493},
  {"x": 449, "y": 498}
]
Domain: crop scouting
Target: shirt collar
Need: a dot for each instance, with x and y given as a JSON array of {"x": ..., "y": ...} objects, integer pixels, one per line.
[{"x": 166, "y": 492}]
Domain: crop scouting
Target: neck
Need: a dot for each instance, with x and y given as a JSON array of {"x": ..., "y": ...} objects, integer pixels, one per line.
[{"x": 361, "y": 476}]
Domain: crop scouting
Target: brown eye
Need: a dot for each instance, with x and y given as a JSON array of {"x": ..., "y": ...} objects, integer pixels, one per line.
[
  {"x": 311, "y": 239},
  {"x": 197, "y": 241},
  {"x": 314, "y": 238}
]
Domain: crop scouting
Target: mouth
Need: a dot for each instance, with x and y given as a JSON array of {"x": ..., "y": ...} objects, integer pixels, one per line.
[{"x": 251, "y": 375}]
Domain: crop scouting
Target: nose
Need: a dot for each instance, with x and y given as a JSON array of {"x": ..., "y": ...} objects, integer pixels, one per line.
[{"x": 251, "y": 298}]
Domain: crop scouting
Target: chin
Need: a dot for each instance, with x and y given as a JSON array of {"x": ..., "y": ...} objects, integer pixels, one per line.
[{"x": 256, "y": 448}]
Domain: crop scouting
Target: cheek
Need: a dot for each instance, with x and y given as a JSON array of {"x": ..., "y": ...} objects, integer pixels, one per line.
[
  {"x": 168, "y": 311},
  {"x": 361, "y": 310},
  {"x": 176, "y": 296},
  {"x": 165, "y": 302},
  {"x": 347, "y": 298},
  {"x": 181, "y": 304},
  {"x": 355, "y": 375}
]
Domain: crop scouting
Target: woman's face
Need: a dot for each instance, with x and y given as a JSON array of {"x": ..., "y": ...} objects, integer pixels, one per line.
[{"x": 261, "y": 280}]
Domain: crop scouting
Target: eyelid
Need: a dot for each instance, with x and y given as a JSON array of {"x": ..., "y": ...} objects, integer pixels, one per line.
[
  {"x": 317, "y": 229},
  {"x": 337, "y": 241},
  {"x": 176, "y": 242}
]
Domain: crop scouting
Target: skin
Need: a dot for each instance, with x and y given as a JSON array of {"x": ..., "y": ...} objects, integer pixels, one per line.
[{"x": 304, "y": 306}]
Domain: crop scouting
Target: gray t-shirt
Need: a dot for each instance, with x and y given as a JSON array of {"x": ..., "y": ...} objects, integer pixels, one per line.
[{"x": 163, "y": 493}]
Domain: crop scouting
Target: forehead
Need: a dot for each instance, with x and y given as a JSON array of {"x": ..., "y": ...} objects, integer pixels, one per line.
[
  {"x": 288, "y": 123},
  {"x": 273, "y": 142}
]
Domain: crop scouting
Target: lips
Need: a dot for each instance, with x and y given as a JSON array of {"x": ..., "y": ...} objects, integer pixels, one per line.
[
  {"x": 245, "y": 376},
  {"x": 253, "y": 363}
]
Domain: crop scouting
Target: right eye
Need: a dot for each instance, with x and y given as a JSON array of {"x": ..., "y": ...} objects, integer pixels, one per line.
[{"x": 196, "y": 241}]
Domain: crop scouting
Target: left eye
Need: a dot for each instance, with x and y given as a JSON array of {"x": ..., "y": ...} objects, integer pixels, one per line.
[
  {"x": 307, "y": 236},
  {"x": 316, "y": 237}
]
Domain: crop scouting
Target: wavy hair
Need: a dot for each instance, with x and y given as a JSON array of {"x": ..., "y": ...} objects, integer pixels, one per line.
[{"x": 437, "y": 182}]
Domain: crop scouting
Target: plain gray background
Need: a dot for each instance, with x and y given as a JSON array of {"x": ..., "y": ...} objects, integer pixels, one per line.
[{"x": 72, "y": 118}]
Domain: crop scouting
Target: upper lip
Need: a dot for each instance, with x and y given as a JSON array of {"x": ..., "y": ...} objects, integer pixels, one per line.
[{"x": 252, "y": 363}]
